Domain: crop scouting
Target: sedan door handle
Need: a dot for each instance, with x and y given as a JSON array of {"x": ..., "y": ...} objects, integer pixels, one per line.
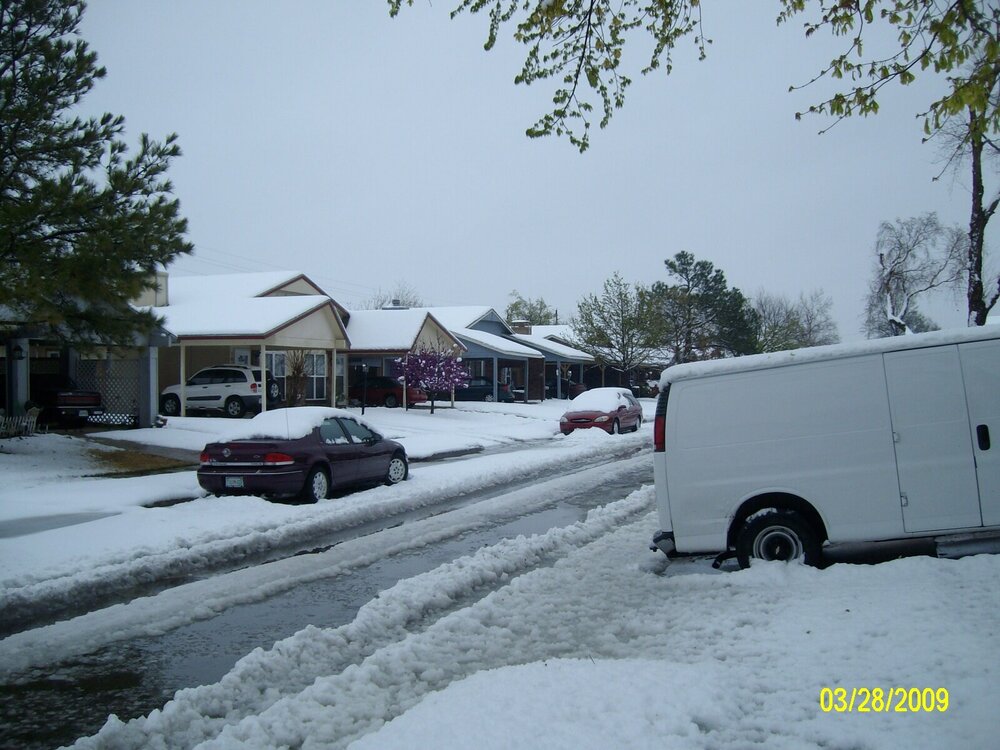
[{"x": 983, "y": 435}]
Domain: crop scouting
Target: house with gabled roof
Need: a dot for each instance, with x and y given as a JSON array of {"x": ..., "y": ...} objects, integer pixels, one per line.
[
  {"x": 380, "y": 337},
  {"x": 254, "y": 319}
]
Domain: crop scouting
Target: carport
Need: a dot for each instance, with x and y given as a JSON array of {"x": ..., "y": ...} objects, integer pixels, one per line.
[{"x": 206, "y": 332}]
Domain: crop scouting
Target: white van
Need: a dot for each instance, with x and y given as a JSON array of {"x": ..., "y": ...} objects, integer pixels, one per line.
[{"x": 770, "y": 456}]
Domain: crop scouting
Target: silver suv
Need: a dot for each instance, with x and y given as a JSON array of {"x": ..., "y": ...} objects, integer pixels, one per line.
[{"x": 232, "y": 389}]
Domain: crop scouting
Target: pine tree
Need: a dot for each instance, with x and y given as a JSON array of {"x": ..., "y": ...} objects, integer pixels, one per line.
[{"x": 84, "y": 225}]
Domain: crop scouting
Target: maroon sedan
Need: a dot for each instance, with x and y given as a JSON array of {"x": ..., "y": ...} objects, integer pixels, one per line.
[
  {"x": 302, "y": 452},
  {"x": 613, "y": 410}
]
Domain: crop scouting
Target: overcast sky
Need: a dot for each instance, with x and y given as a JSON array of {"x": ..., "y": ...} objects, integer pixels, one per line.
[{"x": 327, "y": 138}]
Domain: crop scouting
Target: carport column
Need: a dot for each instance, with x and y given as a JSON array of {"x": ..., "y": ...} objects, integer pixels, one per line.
[
  {"x": 148, "y": 386},
  {"x": 496, "y": 379},
  {"x": 263, "y": 378},
  {"x": 17, "y": 377},
  {"x": 184, "y": 380},
  {"x": 527, "y": 378}
]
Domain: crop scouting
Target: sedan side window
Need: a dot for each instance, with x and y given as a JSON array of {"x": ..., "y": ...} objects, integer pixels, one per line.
[
  {"x": 358, "y": 432},
  {"x": 331, "y": 433}
]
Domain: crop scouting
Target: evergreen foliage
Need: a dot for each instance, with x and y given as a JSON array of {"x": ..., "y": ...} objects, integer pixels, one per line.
[
  {"x": 84, "y": 224},
  {"x": 700, "y": 316}
]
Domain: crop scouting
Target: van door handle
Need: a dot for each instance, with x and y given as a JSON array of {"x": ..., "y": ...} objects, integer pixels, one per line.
[{"x": 983, "y": 435}]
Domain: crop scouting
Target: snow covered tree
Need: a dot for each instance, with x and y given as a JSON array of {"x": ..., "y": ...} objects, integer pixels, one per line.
[
  {"x": 783, "y": 324},
  {"x": 912, "y": 258},
  {"x": 534, "y": 311},
  {"x": 85, "y": 226},
  {"x": 437, "y": 371},
  {"x": 580, "y": 46},
  {"x": 700, "y": 316},
  {"x": 616, "y": 328}
]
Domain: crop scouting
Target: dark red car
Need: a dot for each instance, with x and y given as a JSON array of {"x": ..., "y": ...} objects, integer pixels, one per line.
[
  {"x": 613, "y": 410},
  {"x": 302, "y": 452},
  {"x": 384, "y": 391}
]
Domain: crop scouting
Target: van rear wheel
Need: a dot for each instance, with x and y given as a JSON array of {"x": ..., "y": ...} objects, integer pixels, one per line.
[{"x": 777, "y": 534}]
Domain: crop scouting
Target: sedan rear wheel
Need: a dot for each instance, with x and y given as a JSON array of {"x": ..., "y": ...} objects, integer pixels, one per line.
[
  {"x": 398, "y": 470},
  {"x": 488, "y": 397},
  {"x": 317, "y": 485}
]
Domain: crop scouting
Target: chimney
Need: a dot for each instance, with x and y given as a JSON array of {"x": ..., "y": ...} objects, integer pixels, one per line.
[{"x": 521, "y": 326}]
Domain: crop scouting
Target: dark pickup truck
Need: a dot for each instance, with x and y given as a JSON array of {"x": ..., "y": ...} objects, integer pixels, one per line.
[{"x": 62, "y": 401}]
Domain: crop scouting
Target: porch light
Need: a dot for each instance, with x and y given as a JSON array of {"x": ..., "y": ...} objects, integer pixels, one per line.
[{"x": 17, "y": 353}]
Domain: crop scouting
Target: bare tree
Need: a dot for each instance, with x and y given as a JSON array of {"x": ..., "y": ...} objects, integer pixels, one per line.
[
  {"x": 783, "y": 324},
  {"x": 402, "y": 295},
  {"x": 912, "y": 257},
  {"x": 298, "y": 368}
]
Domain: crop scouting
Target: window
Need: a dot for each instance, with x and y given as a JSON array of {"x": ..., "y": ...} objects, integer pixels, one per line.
[
  {"x": 358, "y": 432},
  {"x": 331, "y": 433},
  {"x": 316, "y": 376}
]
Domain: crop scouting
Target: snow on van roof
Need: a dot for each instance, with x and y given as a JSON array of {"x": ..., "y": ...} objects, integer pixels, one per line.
[{"x": 822, "y": 353}]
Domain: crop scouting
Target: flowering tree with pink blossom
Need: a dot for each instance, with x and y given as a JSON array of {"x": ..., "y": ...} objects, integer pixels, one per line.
[{"x": 436, "y": 371}]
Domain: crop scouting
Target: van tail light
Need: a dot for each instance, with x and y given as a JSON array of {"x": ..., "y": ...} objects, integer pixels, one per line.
[
  {"x": 659, "y": 434},
  {"x": 278, "y": 459},
  {"x": 660, "y": 422}
]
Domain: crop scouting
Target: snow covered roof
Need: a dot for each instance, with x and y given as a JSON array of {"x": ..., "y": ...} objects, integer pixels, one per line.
[
  {"x": 822, "y": 353},
  {"x": 497, "y": 343},
  {"x": 562, "y": 331},
  {"x": 553, "y": 347},
  {"x": 188, "y": 289},
  {"x": 462, "y": 316},
  {"x": 391, "y": 330},
  {"x": 236, "y": 317}
]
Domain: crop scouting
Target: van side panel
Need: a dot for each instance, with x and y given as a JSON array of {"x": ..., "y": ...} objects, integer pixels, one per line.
[{"x": 820, "y": 431}]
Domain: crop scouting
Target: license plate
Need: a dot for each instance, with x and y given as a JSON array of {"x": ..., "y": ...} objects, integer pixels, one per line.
[
  {"x": 234, "y": 482},
  {"x": 83, "y": 413}
]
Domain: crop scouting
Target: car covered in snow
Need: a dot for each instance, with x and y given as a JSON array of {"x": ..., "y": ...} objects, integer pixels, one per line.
[
  {"x": 613, "y": 410},
  {"x": 302, "y": 452}
]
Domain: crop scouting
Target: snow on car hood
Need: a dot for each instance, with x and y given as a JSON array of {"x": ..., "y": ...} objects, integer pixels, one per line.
[
  {"x": 286, "y": 424},
  {"x": 598, "y": 399}
]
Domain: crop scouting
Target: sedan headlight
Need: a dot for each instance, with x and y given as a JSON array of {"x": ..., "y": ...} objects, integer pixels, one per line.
[
  {"x": 604, "y": 418},
  {"x": 563, "y": 418}
]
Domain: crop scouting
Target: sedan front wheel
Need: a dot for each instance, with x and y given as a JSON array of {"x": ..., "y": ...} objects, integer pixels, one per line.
[{"x": 398, "y": 470}]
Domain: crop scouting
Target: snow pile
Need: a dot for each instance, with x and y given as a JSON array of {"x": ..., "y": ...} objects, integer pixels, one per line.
[{"x": 610, "y": 646}]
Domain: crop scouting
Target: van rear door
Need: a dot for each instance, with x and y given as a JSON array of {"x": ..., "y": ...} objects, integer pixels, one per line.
[
  {"x": 981, "y": 369},
  {"x": 931, "y": 430}
]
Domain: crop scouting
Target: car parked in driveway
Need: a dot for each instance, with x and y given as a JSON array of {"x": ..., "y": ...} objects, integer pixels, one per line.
[
  {"x": 382, "y": 390},
  {"x": 62, "y": 401},
  {"x": 481, "y": 389},
  {"x": 302, "y": 452},
  {"x": 232, "y": 390},
  {"x": 613, "y": 410}
]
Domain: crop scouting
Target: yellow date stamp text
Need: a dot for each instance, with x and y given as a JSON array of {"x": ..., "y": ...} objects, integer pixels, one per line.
[{"x": 878, "y": 700}]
